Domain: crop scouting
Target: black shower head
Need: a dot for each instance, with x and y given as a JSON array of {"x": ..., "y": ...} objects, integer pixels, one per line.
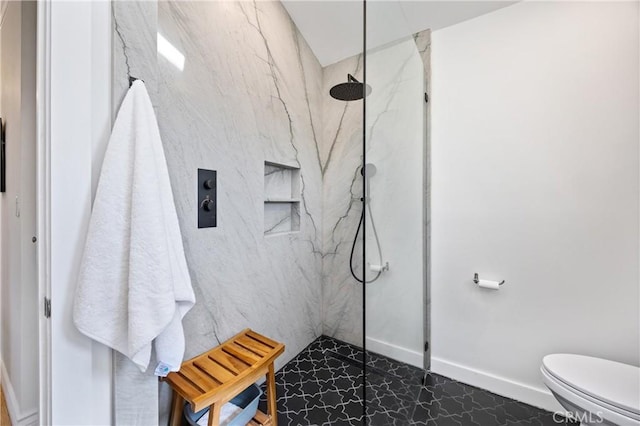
[{"x": 352, "y": 90}]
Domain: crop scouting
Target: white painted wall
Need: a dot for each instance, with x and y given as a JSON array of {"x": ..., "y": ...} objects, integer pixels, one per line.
[
  {"x": 535, "y": 181},
  {"x": 395, "y": 145},
  {"x": 18, "y": 289},
  {"x": 80, "y": 122}
]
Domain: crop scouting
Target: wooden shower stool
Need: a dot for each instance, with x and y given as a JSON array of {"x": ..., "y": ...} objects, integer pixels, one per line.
[{"x": 215, "y": 377}]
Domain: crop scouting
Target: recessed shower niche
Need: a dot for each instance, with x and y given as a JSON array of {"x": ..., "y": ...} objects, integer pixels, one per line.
[{"x": 281, "y": 198}]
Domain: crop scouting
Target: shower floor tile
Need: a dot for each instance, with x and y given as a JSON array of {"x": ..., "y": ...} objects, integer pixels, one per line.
[{"x": 323, "y": 385}]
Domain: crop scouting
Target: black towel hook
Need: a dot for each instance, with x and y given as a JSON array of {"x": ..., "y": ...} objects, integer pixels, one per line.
[{"x": 132, "y": 79}]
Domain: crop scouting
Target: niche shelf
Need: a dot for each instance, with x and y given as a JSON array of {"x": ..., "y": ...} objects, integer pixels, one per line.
[{"x": 281, "y": 198}]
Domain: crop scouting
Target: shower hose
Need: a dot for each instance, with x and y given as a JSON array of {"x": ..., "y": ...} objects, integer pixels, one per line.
[{"x": 367, "y": 207}]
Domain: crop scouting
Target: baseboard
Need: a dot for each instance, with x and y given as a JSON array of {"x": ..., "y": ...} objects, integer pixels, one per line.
[
  {"x": 396, "y": 352},
  {"x": 538, "y": 397},
  {"x": 18, "y": 418}
]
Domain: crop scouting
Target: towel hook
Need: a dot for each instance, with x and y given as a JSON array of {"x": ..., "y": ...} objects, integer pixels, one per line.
[
  {"x": 476, "y": 279},
  {"x": 132, "y": 79}
]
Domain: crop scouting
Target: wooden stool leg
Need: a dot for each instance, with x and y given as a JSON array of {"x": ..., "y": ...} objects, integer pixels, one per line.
[
  {"x": 177, "y": 405},
  {"x": 271, "y": 396},
  {"x": 214, "y": 414}
]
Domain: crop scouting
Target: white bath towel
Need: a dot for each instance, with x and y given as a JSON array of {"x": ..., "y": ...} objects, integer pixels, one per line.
[{"x": 134, "y": 285}]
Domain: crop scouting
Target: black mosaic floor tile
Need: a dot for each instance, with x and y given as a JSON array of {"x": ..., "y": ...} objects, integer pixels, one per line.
[{"x": 323, "y": 385}]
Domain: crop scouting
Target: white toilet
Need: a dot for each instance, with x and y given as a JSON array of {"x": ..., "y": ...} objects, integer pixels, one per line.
[{"x": 597, "y": 391}]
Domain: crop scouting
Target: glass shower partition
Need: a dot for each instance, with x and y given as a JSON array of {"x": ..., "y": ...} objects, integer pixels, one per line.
[{"x": 395, "y": 205}]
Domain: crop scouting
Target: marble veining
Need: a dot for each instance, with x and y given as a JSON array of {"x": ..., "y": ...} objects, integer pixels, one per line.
[
  {"x": 281, "y": 217},
  {"x": 281, "y": 182},
  {"x": 342, "y": 157},
  {"x": 134, "y": 47}
]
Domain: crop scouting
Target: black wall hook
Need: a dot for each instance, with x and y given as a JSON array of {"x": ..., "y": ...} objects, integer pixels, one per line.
[{"x": 132, "y": 79}]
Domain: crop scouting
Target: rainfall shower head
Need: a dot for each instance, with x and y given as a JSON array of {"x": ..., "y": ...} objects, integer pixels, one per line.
[{"x": 352, "y": 90}]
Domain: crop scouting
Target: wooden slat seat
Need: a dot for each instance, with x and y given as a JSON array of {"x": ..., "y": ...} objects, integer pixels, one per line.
[{"x": 215, "y": 377}]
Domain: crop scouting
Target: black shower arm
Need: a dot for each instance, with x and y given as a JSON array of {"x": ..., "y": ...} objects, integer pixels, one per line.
[{"x": 351, "y": 79}]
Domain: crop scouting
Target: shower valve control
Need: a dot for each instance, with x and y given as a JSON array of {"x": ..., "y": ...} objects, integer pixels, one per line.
[
  {"x": 207, "y": 188},
  {"x": 207, "y": 204}
]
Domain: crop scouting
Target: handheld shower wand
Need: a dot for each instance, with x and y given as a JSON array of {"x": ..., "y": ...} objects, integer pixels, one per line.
[{"x": 367, "y": 171}]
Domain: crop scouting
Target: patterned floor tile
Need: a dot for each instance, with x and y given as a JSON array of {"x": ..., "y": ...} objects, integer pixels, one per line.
[{"x": 323, "y": 385}]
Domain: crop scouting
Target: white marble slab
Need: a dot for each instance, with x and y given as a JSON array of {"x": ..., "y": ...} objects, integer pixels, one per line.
[{"x": 240, "y": 101}]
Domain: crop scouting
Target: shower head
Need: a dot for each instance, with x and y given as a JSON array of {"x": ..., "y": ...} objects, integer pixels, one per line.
[{"x": 352, "y": 90}]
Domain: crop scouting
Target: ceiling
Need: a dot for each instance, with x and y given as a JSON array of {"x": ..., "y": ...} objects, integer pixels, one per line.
[{"x": 333, "y": 29}]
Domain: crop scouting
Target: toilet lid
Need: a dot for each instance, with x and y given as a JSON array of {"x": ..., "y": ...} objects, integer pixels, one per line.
[{"x": 612, "y": 382}]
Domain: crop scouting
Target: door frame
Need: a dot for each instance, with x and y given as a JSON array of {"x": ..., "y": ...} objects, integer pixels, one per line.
[{"x": 43, "y": 203}]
